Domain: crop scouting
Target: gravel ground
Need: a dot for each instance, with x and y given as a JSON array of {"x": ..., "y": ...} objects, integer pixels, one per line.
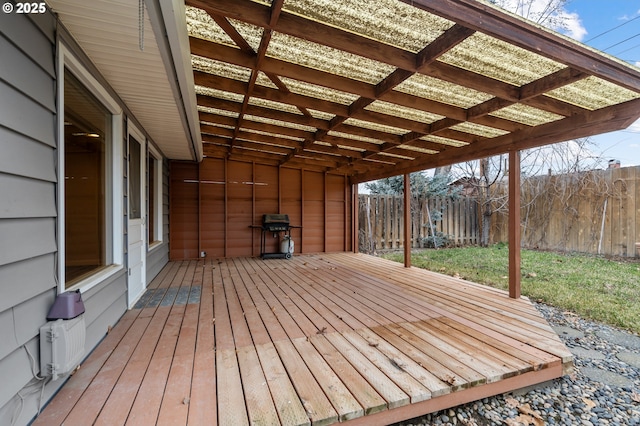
[{"x": 603, "y": 390}]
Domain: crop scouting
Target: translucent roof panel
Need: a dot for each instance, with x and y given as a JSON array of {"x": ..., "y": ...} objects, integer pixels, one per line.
[
  {"x": 279, "y": 123},
  {"x": 593, "y": 93},
  {"x": 479, "y": 130},
  {"x": 441, "y": 91},
  {"x": 274, "y": 105},
  {"x": 526, "y": 115},
  {"x": 324, "y": 58},
  {"x": 274, "y": 135},
  {"x": 207, "y": 91},
  {"x": 388, "y": 21},
  {"x": 350, "y": 73},
  {"x": 443, "y": 141},
  {"x": 403, "y": 112},
  {"x": 417, "y": 149},
  {"x": 201, "y": 25},
  {"x": 499, "y": 60},
  {"x": 354, "y": 137},
  {"x": 217, "y": 111},
  {"x": 223, "y": 69},
  {"x": 375, "y": 126},
  {"x": 307, "y": 89}
]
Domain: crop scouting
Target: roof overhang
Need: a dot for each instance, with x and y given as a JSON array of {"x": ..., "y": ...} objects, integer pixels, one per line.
[
  {"x": 148, "y": 66},
  {"x": 372, "y": 89}
]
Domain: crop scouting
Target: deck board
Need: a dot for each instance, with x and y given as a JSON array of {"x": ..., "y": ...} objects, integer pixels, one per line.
[{"x": 316, "y": 339}]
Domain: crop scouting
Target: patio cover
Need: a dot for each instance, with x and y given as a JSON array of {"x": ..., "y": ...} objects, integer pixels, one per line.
[{"x": 372, "y": 89}]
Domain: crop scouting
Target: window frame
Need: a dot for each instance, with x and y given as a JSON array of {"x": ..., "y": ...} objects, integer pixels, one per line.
[
  {"x": 153, "y": 153},
  {"x": 114, "y": 213}
]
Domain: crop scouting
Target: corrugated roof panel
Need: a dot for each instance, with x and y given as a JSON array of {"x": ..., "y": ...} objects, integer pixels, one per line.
[
  {"x": 403, "y": 112},
  {"x": 479, "y": 130},
  {"x": 279, "y": 123},
  {"x": 308, "y": 89},
  {"x": 490, "y": 57},
  {"x": 392, "y": 155},
  {"x": 321, "y": 115},
  {"x": 217, "y": 111},
  {"x": 375, "y": 126},
  {"x": 324, "y": 58},
  {"x": 354, "y": 137},
  {"x": 229, "y": 96},
  {"x": 443, "y": 141},
  {"x": 201, "y": 25},
  {"x": 417, "y": 149},
  {"x": 278, "y": 106},
  {"x": 274, "y": 135},
  {"x": 389, "y": 21},
  {"x": 223, "y": 69},
  {"x": 593, "y": 93},
  {"x": 526, "y": 115},
  {"x": 441, "y": 91}
]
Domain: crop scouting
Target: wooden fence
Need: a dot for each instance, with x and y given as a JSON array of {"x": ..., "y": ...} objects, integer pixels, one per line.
[
  {"x": 594, "y": 212},
  {"x": 381, "y": 222}
]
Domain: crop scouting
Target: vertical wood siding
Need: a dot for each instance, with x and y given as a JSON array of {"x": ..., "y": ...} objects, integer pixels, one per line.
[{"x": 232, "y": 196}]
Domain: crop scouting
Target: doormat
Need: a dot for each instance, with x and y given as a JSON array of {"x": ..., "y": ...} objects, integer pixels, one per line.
[{"x": 154, "y": 297}]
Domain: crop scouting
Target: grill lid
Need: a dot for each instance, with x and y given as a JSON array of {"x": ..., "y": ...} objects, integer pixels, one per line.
[{"x": 280, "y": 219}]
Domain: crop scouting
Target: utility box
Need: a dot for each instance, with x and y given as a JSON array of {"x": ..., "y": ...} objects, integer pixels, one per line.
[{"x": 61, "y": 346}]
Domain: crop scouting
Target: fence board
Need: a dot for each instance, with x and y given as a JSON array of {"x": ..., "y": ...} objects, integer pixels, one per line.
[{"x": 594, "y": 212}]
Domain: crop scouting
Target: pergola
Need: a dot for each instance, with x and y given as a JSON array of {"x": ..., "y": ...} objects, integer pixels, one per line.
[{"x": 372, "y": 89}]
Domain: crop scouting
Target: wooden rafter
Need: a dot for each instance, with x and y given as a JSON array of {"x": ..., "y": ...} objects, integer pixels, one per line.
[{"x": 366, "y": 137}]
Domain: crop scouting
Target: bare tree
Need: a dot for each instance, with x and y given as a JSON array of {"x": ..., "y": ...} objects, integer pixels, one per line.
[{"x": 488, "y": 176}]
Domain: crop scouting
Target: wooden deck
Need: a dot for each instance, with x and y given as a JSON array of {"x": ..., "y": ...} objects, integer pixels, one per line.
[{"x": 312, "y": 340}]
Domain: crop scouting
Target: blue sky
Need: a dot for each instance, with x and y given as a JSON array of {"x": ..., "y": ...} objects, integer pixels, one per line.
[
  {"x": 598, "y": 17},
  {"x": 612, "y": 26}
]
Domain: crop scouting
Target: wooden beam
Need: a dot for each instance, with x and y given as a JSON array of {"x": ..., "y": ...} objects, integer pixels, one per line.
[
  {"x": 514, "y": 225},
  {"x": 604, "y": 120},
  {"x": 514, "y": 30},
  {"x": 407, "y": 221}
]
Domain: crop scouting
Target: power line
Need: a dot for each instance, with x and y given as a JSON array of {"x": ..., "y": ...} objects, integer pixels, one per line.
[
  {"x": 612, "y": 29},
  {"x": 620, "y": 42}
]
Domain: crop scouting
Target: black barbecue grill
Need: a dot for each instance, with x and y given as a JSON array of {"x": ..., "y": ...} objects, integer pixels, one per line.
[{"x": 274, "y": 223}]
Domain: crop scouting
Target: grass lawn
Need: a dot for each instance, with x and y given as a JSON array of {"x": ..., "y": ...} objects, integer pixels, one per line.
[{"x": 592, "y": 287}]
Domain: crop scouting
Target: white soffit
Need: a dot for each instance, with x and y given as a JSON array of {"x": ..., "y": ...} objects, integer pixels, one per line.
[{"x": 108, "y": 32}]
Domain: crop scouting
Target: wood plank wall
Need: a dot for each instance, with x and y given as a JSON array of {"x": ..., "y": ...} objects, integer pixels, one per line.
[{"x": 214, "y": 204}]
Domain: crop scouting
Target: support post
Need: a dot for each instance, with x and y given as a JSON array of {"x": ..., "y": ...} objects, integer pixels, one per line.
[
  {"x": 407, "y": 221},
  {"x": 355, "y": 219},
  {"x": 514, "y": 224}
]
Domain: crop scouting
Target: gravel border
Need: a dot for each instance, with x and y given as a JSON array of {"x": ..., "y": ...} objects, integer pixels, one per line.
[{"x": 603, "y": 390}]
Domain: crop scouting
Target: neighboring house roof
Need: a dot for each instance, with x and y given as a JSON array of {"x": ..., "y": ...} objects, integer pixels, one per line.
[{"x": 373, "y": 89}]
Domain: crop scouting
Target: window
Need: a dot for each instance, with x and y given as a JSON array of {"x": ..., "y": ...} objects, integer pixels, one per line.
[
  {"x": 87, "y": 135},
  {"x": 154, "y": 197},
  {"x": 90, "y": 175}
]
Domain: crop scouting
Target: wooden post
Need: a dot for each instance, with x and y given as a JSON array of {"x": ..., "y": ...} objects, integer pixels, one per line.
[
  {"x": 355, "y": 225},
  {"x": 514, "y": 224},
  {"x": 407, "y": 221}
]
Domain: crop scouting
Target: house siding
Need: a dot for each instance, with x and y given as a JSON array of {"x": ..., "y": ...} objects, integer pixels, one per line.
[
  {"x": 28, "y": 210},
  {"x": 159, "y": 255},
  {"x": 28, "y": 217}
]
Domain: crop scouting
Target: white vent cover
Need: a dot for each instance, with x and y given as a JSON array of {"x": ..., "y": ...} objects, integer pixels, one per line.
[{"x": 61, "y": 346}]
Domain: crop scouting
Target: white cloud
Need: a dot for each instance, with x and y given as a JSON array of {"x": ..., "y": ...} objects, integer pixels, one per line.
[
  {"x": 635, "y": 127},
  {"x": 549, "y": 13},
  {"x": 574, "y": 28}
]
